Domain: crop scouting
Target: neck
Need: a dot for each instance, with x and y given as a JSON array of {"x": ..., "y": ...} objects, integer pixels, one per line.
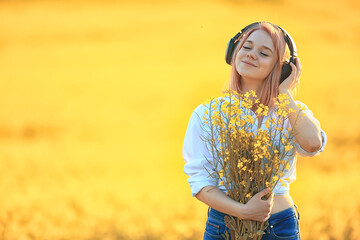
[
  {"x": 255, "y": 87},
  {"x": 251, "y": 84}
]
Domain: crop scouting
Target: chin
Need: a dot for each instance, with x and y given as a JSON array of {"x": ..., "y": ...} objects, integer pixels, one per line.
[{"x": 246, "y": 74}]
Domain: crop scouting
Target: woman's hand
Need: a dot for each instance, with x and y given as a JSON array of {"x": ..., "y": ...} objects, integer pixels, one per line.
[
  {"x": 258, "y": 209},
  {"x": 293, "y": 79}
]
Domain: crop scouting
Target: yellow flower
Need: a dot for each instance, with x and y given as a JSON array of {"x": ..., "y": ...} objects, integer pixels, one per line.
[
  {"x": 301, "y": 107},
  {"x": 287, "y": 166},
  {"x": 266, "y": 110},
  {"x": 221, "y": 173},
  {"x": 288, "y": 148},
  {"x": 249, "y": 119},
  {"x": 240, "y": 124},
  {"x": 248, "y": 196},
  {"x": 224, "y": 109},
  {"x": 283, "y": 96},
  {"x": 259, "y": 110},
  {"x": 215, "y": 115},
  {"x": 253, "y": 93},
  {"x": 246, "y": 105},
  {"x": 275, "y": 178},
  {"x": 291, "y": 110},
  {"x": 267, "y": 123},
  {"x": 257, "y": 144},
  {"x": 278, "y": 128}
]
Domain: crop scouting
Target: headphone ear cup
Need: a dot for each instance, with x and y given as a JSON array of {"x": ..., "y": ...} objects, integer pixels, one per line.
[
  {"x": 231, "y": 47},
  {"x": 285, "y": 72},
  {"x": 230, "y": 51}
]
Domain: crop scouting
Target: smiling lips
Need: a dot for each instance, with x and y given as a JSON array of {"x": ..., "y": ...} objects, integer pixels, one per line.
[{"x": 249, "y": 63}]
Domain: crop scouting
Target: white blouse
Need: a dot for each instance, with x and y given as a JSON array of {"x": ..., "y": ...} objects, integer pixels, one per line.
[{"x": 196, "y": 155}]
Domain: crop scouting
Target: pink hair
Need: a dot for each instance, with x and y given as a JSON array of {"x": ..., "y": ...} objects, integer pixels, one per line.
[{"x": 269, "y": 89}]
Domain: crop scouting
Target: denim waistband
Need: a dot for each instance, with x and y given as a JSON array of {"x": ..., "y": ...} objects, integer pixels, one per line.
[
  {"x": 274, "y": 218},
  {"x": 284, "y": 214}
]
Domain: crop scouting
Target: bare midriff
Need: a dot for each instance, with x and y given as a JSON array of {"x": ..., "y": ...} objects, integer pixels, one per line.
[{"x": 281, "y": 202}]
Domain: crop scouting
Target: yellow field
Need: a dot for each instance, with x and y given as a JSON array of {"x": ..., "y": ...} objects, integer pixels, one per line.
[{"x": 96, "y": 97}]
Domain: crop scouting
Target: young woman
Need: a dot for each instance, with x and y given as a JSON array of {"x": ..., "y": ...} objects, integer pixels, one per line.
[{"x": 258, "y": 63}]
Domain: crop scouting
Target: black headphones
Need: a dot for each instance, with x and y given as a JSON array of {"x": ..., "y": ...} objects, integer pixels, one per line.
[{"x": 286, "y": 69}]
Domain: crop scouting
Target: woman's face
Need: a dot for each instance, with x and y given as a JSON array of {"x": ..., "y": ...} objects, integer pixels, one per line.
[{"x": 257, "y": 57}]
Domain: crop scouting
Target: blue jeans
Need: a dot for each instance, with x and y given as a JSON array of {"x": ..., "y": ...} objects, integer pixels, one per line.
[{"x": 283, "y": 225}]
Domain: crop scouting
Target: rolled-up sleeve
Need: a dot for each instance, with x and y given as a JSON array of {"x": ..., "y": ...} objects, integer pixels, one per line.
[
  {"x": 197, "y": 158},
  {"x": 302, "y": 152}
]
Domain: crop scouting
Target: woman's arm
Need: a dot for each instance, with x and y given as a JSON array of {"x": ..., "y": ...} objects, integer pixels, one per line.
[
  {"x": 255, "y": 209},
  {"x": 306, "y": 130}
]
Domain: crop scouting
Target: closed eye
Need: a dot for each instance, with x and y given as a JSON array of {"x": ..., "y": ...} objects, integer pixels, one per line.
[
  {"x": 264, "y": 54},
  {"x": 246, "y": 47}
]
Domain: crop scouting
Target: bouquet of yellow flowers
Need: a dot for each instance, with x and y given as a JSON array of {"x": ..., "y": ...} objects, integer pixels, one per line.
[{"x": 246, "y": 158}]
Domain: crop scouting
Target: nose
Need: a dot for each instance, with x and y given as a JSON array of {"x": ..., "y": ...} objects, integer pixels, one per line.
[{"x": 251, "y": 54}]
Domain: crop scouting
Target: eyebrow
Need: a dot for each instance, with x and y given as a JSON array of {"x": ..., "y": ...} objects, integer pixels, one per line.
[{"x": 263, "y": 45}]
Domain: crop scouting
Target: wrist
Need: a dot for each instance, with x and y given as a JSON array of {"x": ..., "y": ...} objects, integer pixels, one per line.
[{"x": 243, "y": 211}]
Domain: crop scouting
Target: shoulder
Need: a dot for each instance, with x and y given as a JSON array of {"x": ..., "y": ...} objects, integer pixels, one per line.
[
  {"x": 303, "y": 107},
  {"x": 300, "y": 103},
  {"x": 210, "y": 103}
]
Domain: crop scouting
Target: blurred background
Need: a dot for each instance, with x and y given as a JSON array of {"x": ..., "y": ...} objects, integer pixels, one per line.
[{"x": 96, "y": 96}]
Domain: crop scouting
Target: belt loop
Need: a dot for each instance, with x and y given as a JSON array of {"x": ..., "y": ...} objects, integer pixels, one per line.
[{"x": 297, "y": 212}]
